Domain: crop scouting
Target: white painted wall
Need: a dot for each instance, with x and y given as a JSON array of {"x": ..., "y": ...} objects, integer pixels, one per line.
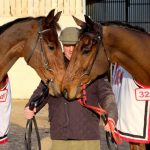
[{"x": 23, "y": 80}]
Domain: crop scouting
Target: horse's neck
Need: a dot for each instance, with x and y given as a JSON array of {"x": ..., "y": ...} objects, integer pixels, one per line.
[
  {"x": 14, "y": 34},
  {"x": 11, "y": 43},
  {"x": 113, "y": 43},
  {"x": 131, "y": 50},
  {"x": 8, "y": 60}
]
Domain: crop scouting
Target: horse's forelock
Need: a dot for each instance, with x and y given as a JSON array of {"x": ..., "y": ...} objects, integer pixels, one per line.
[
  {"x": 96, "y": 28},
  {"x": 55, "y": 25}
]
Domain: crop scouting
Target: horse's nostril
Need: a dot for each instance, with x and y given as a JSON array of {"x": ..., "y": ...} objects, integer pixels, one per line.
[{"x": 65, "y": 93}]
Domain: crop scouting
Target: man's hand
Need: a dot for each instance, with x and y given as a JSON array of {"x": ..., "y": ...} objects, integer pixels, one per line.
[
  {"x": 29, "y": 114},
  {"x": 110, "y": 126}
]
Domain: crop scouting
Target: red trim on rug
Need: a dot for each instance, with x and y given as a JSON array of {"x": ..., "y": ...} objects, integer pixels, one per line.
[
  {"x": 149, "y": 127},
  {"x": 132, "y": 139},
  {"x": 137, "y": 140},
  {"x": 141, "y": 85},
  {"x": 4, "y": 140}
]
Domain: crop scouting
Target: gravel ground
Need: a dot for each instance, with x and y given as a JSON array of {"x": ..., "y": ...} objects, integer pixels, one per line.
[{"x": 17, "y": 130}]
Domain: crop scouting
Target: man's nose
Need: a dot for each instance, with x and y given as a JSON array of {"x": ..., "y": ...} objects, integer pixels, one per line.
[{"x": 71, "y": 48}]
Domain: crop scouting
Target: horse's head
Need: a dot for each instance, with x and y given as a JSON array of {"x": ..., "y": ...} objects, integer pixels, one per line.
[
  {"x": 45, "y": 52},
  {"x": 88, "y": 59}
]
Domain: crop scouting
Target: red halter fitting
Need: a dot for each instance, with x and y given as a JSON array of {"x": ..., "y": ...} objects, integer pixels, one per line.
[{"x": 100, "y": 111}]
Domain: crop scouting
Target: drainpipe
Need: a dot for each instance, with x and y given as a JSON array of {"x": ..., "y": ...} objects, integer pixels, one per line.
[
  {"x": 84, "y": 6},
  {"x": 127, "y": 5}
]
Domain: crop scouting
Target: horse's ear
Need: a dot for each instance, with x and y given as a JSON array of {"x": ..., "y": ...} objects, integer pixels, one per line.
[
  {"x": 89, "y": 21},
  {"x": 93, "y": 25},
  {"x": 50, "y": 16},
  {"x": 79, "y": 22},
  {"x": 57, "y": 16}
]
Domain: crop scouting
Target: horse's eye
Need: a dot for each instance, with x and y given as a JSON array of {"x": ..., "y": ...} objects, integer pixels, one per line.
[
  {"x": 51, "y": 47},
  {"x": 85, "y": 50}
]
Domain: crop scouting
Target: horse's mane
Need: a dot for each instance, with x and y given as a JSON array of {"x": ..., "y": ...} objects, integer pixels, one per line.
[
  {"x": 9, "y": 24},
  {"x": 126, "y": 25},
  {"x": 117, "y": 23}
]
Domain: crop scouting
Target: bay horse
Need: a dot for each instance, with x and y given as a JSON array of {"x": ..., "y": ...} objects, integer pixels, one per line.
[
  {"x": 102, "y": 44},
  {"x": 36, "y": 40}
]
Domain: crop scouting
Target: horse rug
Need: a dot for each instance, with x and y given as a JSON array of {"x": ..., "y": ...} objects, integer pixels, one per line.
[
  {"x": 5, "y": 109},
  {"x": 133, "y": 102}
]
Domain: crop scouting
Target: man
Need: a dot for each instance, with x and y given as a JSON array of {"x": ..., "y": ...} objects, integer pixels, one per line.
[
  {"x": 72, "y": 126},
  {"x": 5, "y": 109}
]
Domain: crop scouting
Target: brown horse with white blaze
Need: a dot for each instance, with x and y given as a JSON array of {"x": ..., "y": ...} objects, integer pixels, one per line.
[
  {"x": 102, "y": 44},
  {"x": 36, "y": 40}
]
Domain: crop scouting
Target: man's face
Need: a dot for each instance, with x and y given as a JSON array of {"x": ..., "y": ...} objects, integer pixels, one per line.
[{"x": 68, "y": 50}]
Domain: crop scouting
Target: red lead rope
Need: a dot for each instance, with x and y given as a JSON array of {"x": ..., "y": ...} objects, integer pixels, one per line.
[{"x": 100, "y": 112}]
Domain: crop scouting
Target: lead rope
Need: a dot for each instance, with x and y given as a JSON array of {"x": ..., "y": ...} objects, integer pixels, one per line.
[
  {"x": 35, "y": 103},
  {"x": 28, "y": 132},
  {"x": 104, "y": 115}
]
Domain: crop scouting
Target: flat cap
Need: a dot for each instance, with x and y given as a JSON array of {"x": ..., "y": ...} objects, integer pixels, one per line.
[{"x": 69, "y": 35}]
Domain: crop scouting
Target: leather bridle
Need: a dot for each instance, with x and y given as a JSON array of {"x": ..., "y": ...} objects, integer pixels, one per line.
[
  {"x": 39, "y": 38},
  {"x": 109, "y": 136},
  {"x": 43, "y": 54},
  {"x": 99, "y": 39}
]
